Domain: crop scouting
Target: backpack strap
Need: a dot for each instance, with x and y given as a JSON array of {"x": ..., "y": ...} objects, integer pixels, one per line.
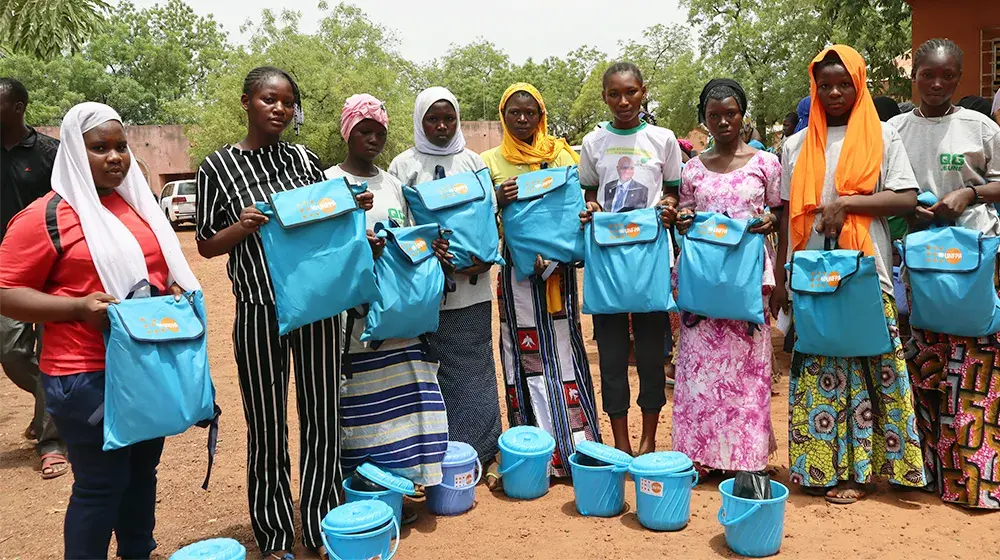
[
  {"x": 213, "y": 441},
  {"x": 52, "y": 222},
  {"x": 345, "y": 357}
]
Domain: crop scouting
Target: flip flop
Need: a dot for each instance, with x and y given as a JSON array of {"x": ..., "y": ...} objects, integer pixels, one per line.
[
  {"x": 50, "y": 461},
  {"x": 847, "y": 500},
  {"x": 409, "y": 516}
]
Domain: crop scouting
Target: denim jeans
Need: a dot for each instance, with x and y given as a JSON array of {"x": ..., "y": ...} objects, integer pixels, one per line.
[{"x": 112, "y": 490}]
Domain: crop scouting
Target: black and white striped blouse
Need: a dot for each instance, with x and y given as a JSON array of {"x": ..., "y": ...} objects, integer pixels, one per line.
[{"x": 232, "y": 179}]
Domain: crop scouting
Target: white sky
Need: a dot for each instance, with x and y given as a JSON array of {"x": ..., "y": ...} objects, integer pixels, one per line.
[{"x": 425, "y": 29}]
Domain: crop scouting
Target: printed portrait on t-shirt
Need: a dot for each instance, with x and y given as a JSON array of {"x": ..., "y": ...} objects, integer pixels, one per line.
[{"x": 625, "y": 193}]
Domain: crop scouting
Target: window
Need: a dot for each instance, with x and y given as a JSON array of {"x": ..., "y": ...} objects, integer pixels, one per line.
[
  {"x": 187, "y": 187},
  {"x": 167, "y": 190}
]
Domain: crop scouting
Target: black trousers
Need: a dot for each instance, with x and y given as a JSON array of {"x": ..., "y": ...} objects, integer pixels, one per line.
[
  {"x": 262, "y": 360},
  {"x": 611, "y": 332}
]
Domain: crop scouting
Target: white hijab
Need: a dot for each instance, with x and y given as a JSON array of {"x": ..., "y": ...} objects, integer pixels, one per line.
[
  {"x": 117, "y": 255},
  {"x": 424, "y": 101}
]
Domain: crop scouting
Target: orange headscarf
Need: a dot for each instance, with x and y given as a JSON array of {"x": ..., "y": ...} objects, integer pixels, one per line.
[
  {"x": 858, "y": 168},
  {"x": 544, "y": 148}
]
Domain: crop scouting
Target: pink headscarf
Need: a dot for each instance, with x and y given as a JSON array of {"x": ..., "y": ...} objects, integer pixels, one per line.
[{"x": 358, "y": 108}]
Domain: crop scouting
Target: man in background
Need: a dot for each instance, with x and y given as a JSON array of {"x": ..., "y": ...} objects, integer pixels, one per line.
[{"x": 25, "y": 174}]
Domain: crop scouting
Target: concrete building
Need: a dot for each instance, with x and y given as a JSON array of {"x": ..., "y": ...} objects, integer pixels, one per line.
[{"x": 975, "y": 26}]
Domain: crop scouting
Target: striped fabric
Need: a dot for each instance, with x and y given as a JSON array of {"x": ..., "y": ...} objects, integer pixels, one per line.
[{"x": 392, "y": 414}]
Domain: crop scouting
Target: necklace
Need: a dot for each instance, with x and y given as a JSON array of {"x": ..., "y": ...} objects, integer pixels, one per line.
[{"x": 935, "y": 120}]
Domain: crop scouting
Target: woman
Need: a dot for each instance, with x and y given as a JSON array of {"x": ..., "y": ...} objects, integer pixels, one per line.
[
  {"x": 839, "y": 440},
  {"x": 410, "y": 435},
  {"x": 553, "y": 350},
  {"x": 955, "y": 154},
  {"x": 464, "y": 340},
  {"x": 624, "y": 166},
  {"x": 722, "y": 397},
  {"x": 67, "y": 257},
  {"x": 230, "y": 182}
]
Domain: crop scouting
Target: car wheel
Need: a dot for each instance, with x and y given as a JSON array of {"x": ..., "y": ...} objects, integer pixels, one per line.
[{"x": 173, "y": 224}]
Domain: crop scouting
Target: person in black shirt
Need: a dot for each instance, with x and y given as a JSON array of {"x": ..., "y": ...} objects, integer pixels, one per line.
[
  {"x": 230, "y": 182},
  {"x": 25, "y": 173}
]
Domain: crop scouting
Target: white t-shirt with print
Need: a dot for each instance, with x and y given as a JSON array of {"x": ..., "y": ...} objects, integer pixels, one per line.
[
  {"x": 389, "y": 204},
  {"x": 413, "y": 168},
  {"x": 956, "y": 151},
  {"x": 629, "y": 168}
]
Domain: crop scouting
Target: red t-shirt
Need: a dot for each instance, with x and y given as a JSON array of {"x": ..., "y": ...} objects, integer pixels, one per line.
[{"x": 31, "y": 259}]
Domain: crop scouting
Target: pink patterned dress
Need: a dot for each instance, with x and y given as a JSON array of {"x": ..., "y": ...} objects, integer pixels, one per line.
[{"x": 722, "y": 397}]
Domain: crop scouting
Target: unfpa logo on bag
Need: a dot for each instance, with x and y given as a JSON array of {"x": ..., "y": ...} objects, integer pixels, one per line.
[
  {"x": 536, "y": 186},
  {"x": 451, "y": 191},
  {"x": 941, "y": 255},
  {"x": 718, "y": 231},
  {"x": 831, "y": 279},
  {"x": 158, "y": 326},
  {"x": 416, "y": 247},
  {"x": 623, "y": 231},
  {"x": 316, "y": 208}
]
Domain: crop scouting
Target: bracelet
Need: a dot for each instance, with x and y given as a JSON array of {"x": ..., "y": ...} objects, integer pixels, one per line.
[{"x": 975, "y": 193}]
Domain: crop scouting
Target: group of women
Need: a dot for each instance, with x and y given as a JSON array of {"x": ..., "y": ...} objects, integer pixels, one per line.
[{"x": 919, "y": 416}]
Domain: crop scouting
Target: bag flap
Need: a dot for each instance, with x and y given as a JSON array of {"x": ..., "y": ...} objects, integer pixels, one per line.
[
  {"x": 160, "y": 319},
  {"x": 539, "y": 183},
  {"x": 823, "y": 272},
  {"x": 626, "y": 228},
  {"x": 718, "y": 229},
  {"x": 452, "y": 191},
  {"x": 414, "y": 242},
  {"x": 944, "y": 249},
  {"x": 313, "y": 203}
]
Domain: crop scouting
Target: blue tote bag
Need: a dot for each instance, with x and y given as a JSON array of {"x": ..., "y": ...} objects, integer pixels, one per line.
[
  {"x": 317, "y": 253},
  {"x": 545, "y": 219},
  {"x": 720, "y": 270},
  {"x": 837, "y": 304},
  {"x": 157, "y": 381},
  {"x": 462, "y": 204},
  {"x": 628, "y": 256},
  {"x": 951, "y": 273},
  {"x": 411, "y": 281}
]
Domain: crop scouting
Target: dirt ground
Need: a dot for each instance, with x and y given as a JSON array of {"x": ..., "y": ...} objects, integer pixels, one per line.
[{"x": 888, "y": 525}]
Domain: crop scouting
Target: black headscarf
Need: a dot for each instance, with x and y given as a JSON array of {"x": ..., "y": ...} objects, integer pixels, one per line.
[
  {"x": 976, "y": 103},
  {"x": 741, "y": 95},
  {"x": 886, "y": 108}
]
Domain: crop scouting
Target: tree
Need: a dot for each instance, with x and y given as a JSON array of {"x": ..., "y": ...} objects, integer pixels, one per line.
[
  {"x": 881, "y": 31},
  {"x": 45, "y": 28},
  {"x": 766, "y": 45},
  {"x": 673, "y": 73},
  {"x": 560, "y": 80},
  {"x": 478, "y": 74},
  {"x": 348, "y": 54}
]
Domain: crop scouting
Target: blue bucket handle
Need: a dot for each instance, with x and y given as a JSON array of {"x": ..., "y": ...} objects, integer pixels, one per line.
[
  {"x": 685, "y": 473},
  {"x": 516, "y": 464},
  {"x": 619, "y": 470},
  {"x": 334, "y": 556},
  {"x": 722, "y": 510},
  {"x": 479, "y": 468}
]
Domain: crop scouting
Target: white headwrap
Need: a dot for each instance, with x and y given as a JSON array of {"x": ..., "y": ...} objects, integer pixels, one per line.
[
  {"x": 424, "y": 101},
  {"x": 117, "y": 255}
]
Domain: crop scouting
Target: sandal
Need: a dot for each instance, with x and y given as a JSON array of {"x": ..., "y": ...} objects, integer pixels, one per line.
[
  {"x": 817, "y": 491},
  {"x": 285, "y": 556},
  {"x": 845, "y": 496},
  {"x": 54, "y": 465},
  {"x": 409, "y": 516},
  {"x": 492, "y": 477}
]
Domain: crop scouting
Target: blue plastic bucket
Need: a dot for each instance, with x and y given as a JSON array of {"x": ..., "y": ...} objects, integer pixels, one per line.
[
  {"x": 360, "y": 531},
  {"x": 753, "y": 527},
  {"x": 663, "y": 483},
  {"x": 212, "y": 549},
  {"x": 457, "y": 492},
  {"x": 395, "y": 488},
  {"x": 525, "y": 458},
  {"x": 599, "y": 491}
]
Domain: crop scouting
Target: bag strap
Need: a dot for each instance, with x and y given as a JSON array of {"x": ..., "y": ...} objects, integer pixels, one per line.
[
  {"x": 213, "y": 441},
  {"x": 345, "y": 356}
]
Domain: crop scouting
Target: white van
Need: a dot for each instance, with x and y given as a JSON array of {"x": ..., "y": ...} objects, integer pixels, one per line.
[{"x": 177, "y": 200}]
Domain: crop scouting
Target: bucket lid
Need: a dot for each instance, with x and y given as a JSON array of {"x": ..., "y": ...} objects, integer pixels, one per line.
[
  {"x": 527, "y": 440},
  {"x": 357, "y": 517},
  {"x": 211, "y": 549},
  {"x": 604, "y": 453},
  {"x": 661, "y": 462},
  {"x": 458, "y": 454},
  {"x": 387, "y": 480}
]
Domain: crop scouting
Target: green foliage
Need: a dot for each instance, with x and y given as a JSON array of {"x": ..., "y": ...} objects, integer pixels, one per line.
[
  {"x": 879, "y": 30},
  {"x": 348, "y": 54},
  {"x": 45, "y": 28},
  {"x": 478, "y": 74}
]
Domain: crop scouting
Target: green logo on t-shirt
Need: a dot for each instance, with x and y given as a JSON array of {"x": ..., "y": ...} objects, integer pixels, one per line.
[
  {"x": 952, "y": 162},
  {"x": 397, "y": 214}
]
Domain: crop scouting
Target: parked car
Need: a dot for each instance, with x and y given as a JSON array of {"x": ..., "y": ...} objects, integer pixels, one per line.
[{"x": 177, "y": 200}]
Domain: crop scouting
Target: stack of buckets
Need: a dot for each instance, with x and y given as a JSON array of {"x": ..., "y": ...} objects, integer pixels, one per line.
[
  {"x": 753, "y": 527},
  {"x": 360, "y": 530},
  {"x": 395, "y": 488},
  {"x": 212, "y": 549},
  {"x": 525, "y": 460}
]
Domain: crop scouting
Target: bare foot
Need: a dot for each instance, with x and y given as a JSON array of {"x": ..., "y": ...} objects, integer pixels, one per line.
[{"x": 846, "y": 495}]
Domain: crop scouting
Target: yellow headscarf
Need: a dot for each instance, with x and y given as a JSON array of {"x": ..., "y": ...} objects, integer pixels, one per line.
[{"x": 544, "y": 148}]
